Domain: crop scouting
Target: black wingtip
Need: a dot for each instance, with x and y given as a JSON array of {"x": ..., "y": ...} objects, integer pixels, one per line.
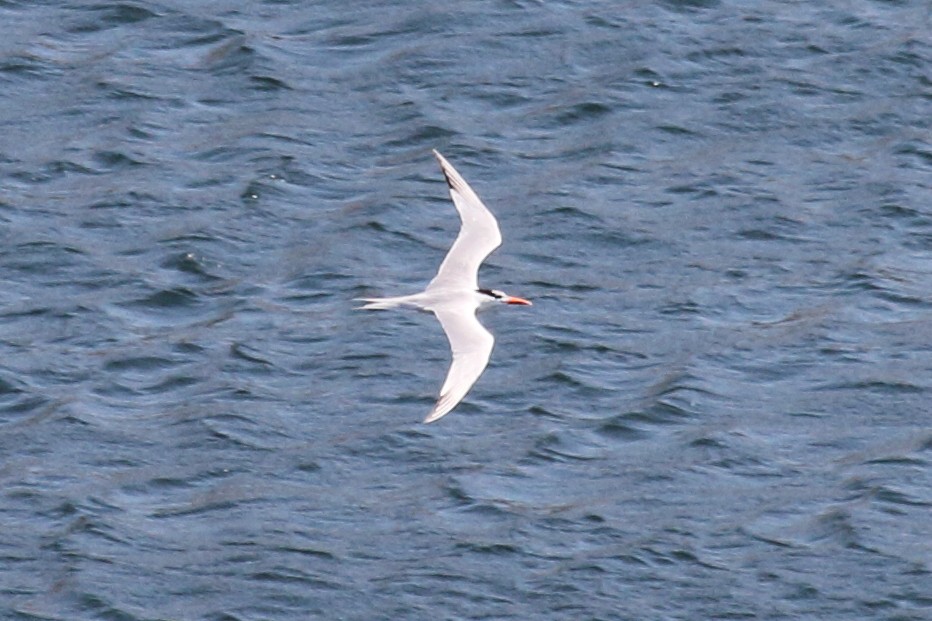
[{"x": 445, "y": 167}]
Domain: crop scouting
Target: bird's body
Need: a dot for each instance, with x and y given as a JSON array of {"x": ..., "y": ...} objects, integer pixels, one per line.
[{"x": 454, "y": 295}]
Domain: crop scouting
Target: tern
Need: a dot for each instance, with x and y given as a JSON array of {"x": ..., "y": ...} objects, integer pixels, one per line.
[{"x": 454, "y": 295}]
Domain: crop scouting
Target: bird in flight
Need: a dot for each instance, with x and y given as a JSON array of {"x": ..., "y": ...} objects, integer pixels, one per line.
[{"x": 454, "y": 295}]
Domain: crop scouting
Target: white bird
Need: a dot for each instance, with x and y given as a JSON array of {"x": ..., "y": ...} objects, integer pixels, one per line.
[{"x": 454, "y": 295}]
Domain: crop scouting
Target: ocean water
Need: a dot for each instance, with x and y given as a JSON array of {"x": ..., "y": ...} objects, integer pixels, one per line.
[{"x": 717, "y": 408}]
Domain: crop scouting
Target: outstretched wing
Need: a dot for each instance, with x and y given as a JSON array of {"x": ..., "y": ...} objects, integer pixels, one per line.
[
  {"x": 472, "y": 345},
  {"x": 479, "y": 235}
]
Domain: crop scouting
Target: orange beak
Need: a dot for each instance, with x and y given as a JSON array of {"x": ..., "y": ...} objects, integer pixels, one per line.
[{"x": 521, "y": 301}]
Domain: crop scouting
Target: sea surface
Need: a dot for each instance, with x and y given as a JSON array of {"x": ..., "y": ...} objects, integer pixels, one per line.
[{"x": 719, "y": 406}]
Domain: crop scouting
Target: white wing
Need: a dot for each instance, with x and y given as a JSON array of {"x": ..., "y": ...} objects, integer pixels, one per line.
[
  {"x": 472, "y": 345},
  {"x": 478, "y": 236}
]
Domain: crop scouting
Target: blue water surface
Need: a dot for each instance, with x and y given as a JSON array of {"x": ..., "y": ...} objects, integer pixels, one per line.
[{"x": 717, "y": 408}]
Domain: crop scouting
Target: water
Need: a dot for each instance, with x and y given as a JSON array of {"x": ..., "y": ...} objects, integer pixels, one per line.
[{"x": 718, "y": 407}]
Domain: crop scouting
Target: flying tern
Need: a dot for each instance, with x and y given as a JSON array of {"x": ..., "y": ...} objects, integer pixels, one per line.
[{"x": 454, "y": 295}]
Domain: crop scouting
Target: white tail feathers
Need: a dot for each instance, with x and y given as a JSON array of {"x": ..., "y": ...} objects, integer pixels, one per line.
[{"x": 383, "y": 303}]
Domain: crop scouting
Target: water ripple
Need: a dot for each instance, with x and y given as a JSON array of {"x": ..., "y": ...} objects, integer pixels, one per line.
[{"x": 717, "y": 407}]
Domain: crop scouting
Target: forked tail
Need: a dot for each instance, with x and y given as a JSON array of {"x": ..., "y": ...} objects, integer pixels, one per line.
[{"x": 383, "y": 303}]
